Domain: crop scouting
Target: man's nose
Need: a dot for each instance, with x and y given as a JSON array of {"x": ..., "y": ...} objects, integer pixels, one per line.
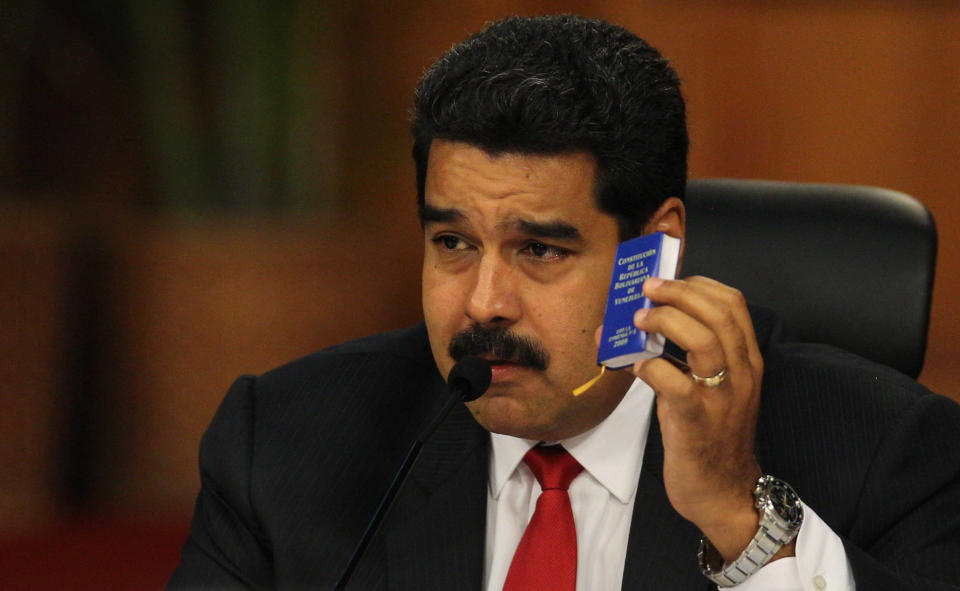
[{"x": 494, "y": 299}]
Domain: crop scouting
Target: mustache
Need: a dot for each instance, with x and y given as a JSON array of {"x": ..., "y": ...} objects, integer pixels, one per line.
[{"x": 501, "y": 343}]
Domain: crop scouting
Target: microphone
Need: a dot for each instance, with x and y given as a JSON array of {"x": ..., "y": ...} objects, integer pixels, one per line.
[
  {"x": 469, "y": 378},
  {"x": 467, "y": 381}
]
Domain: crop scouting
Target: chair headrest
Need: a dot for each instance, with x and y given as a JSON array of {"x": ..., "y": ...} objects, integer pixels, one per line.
[{"x": 847, "y": 265}]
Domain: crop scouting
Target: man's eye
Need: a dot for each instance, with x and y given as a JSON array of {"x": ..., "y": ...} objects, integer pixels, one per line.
[
  {"x": 450, "y": 242},
  {"x": 544, "y": 251}
]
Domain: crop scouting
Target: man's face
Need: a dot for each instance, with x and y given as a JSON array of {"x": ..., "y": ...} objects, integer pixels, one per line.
[{"x": 517, "y": 262}]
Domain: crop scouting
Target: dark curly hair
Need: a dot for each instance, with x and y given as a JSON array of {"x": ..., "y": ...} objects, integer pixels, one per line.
[{"x": 556, "y": 84}]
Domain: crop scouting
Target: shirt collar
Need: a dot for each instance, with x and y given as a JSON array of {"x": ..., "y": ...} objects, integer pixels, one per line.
[{"x": 611, "y": 452}]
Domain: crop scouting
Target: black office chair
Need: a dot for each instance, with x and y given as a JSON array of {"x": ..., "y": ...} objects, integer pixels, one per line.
[{"x": 847, "y": 265}]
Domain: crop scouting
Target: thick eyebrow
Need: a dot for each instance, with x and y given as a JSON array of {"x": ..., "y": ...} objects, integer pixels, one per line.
[
  {"x": 430, "y": 214},
  {"x": 555, "y": 229}
]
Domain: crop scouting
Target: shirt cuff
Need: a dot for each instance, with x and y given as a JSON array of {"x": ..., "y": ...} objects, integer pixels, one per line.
[{"x": 820, "y": 564}]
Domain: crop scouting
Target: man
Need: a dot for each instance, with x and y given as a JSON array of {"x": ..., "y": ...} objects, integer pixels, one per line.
[{"x": 540, "y": 143}]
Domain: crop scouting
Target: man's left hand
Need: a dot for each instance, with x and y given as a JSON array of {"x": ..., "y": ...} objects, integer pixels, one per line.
[{"x": 710, "y": 467}]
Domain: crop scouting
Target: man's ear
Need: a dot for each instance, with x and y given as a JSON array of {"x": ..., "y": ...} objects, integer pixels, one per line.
[{"x": 671, "y": 219}]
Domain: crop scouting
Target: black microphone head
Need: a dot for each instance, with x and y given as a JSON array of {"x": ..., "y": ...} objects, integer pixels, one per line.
[{"x": 469, "y": 378}]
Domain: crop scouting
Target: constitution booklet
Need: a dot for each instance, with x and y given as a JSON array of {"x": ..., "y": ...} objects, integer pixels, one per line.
[{"x": 621, "y": 343}]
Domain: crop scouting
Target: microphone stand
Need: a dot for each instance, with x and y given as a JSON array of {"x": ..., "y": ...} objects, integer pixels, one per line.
[
  {"x": 468, "y": 380},
  {"x": 392, "y": 490}
]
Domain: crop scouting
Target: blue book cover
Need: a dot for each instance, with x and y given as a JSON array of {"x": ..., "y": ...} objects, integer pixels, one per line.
[{"x": 621, "y": 343}]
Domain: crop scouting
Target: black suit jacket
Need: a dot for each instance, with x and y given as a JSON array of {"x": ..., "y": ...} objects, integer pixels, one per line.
[{"x": 295, "y": 462}]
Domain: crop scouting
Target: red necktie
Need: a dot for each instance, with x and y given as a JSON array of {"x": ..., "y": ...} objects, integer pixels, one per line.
[{"x": 547, "y": 555}]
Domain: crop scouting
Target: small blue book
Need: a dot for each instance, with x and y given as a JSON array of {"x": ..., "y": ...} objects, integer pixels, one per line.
[{"x": 621, "y": 343}]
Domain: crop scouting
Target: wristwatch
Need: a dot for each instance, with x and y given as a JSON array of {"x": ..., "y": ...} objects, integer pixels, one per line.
[{"x": 781, "y": 515}]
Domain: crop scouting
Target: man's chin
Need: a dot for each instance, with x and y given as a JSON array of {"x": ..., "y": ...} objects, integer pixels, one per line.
[{"x": 501, "y": 413}]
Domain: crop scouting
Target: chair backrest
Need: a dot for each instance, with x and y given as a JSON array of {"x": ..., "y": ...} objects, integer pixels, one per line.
[{"x": 846, "y": 265}]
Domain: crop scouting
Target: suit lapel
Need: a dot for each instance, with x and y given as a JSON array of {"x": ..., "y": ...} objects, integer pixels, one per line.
[
  {"x": 439, "y": 543},
  {"x": 662, "y": 548}
]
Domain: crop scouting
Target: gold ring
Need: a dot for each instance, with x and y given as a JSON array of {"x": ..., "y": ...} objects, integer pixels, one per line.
[{"x": 712, "y": 381}]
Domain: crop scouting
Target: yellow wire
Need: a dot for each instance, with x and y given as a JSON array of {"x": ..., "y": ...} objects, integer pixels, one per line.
[{"x": 592, "y": 381}]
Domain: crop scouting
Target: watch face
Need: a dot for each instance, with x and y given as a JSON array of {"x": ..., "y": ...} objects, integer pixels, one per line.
[{"x": 785, "y": 501}]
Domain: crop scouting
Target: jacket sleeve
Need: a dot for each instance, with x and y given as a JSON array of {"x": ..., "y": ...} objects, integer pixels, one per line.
[{"x": 225, "y": 549}]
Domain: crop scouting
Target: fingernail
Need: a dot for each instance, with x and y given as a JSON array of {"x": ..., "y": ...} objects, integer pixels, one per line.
[
  {"x": 640, "y": 315},
  {"x": 653, "y": 283}
]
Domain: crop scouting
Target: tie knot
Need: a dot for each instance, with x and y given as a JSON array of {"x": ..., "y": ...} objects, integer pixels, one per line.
[{"x": 553, "y": 466}]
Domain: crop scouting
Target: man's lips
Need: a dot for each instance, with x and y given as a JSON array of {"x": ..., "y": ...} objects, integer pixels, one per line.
[
  {"x": 494, "y": 360},
  {"x": 503, "y": 369}
]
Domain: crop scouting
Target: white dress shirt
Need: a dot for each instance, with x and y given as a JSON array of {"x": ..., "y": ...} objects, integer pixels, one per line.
[{"x": 602, "y": 499}]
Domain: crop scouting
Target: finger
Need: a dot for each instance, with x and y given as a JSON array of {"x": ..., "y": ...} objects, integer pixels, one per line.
[
  {"x": 724, "y": 345},
  {"x": 738, "y": 305},
  {"x": 677, "y": 395},
  {"x": 687, "y": 332},
  {"x": 667, "y": 381},
  {"x": 722, "y": 310}
]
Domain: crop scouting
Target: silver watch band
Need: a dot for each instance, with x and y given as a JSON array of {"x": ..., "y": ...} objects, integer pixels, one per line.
[
  {"x": 774, "y": 533},
  {"x": 757, "y": 553}
]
